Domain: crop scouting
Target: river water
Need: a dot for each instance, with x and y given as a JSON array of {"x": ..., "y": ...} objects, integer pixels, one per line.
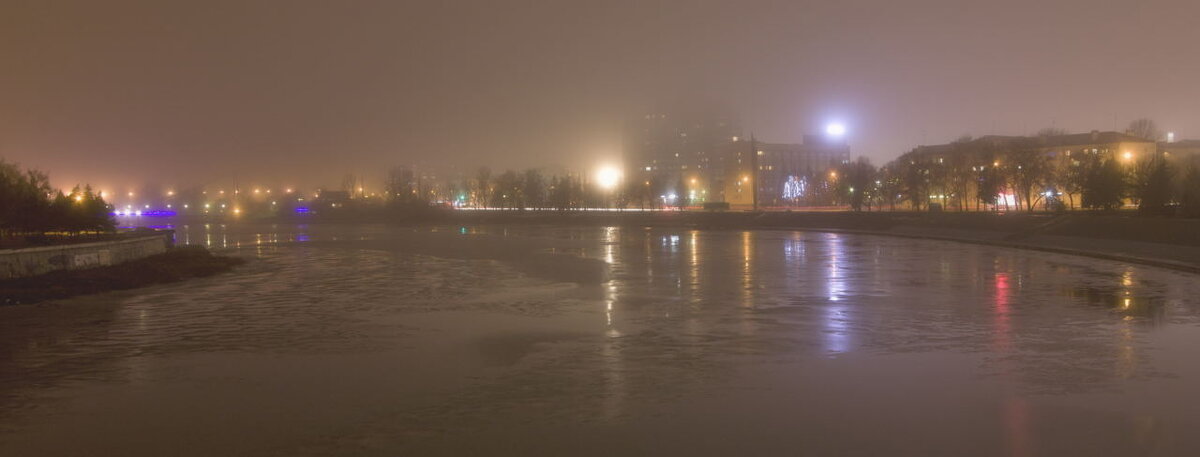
[{"x": 374, "y": 340}]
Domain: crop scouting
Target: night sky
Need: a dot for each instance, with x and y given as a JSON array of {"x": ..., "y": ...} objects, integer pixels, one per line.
[{"x": 302, "y": 92}]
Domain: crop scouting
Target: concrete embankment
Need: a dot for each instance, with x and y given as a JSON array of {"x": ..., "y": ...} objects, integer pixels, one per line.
[
  {"x": 1163, "y": 242},
  {"x": 19, "y": 263}
]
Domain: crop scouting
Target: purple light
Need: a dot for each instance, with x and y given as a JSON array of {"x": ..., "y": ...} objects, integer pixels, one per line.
[
  {"x": 146, "y": 213},
  {"x": 301, "y": 210}
]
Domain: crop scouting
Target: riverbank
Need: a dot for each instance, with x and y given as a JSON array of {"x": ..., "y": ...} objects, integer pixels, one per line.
[
  {"x": 1162, "y": 242},
  {"x": 177, "y": 264}
]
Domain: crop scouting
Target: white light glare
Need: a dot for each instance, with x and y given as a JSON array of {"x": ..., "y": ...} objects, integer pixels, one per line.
[
  {"x": 835, "y": 129},
  {"x": 607, "y": 177}
]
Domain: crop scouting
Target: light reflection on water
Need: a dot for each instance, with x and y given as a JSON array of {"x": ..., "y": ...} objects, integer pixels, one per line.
[{"x": 682, "y": 310}]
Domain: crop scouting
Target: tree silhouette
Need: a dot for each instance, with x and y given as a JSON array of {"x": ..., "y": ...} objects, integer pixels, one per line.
[
  {"x": 1190, "y": 195},
  {"x": 1104, "y": 186},
  {"x": 1144, "y": 128},
  {"x": 1152, "y": 186}
]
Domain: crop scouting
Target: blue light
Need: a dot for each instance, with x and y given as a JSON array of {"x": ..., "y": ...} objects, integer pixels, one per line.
[
  {"x": 301, "y": 210},
  {"x": 146, "y": 213}
]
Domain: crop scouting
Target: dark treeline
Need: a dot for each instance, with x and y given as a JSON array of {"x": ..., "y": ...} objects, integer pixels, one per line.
[
  {"x": 28, "y": 205},
  {"x": 972, "y": 175},
  {"x": 511, "y": 189}
]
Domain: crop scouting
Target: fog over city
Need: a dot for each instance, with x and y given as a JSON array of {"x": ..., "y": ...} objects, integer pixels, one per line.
[
  {"x": 592, "y": 228},
  {"x": 302, "y": 92}
]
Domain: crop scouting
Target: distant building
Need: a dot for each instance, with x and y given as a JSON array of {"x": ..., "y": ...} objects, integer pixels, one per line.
[
  {"x": 1182, "y": 149},
  {"x": 331, "y": 199},
  {"x": 785, "y": 171},
  {"x": 1120, "y": 145},
  {"x": 993, "y": 150},
  {"x": 702, "y": 156},
  {"x": 680, "y": 146}
]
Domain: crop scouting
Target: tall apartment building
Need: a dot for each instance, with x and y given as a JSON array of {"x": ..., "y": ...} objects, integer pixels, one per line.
[
  {"x": 680, "y": 146},
  {"x": 702, "y": 156}
]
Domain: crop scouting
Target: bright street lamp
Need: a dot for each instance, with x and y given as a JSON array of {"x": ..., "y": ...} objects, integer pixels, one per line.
[
  {"x": 835, "y": 129},
  {"x": 608, "y": 177}
]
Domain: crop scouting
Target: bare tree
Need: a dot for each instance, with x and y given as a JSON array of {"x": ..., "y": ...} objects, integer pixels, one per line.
[
  {"x": 483, "y": 186},
  {"x": 858, "y": 182},
  {"x": 350, "y": 184},
  {"x": 534, "y": 188},
  {"x": 1144, "y": 128},
  {"x": 1028, "y": 169}
]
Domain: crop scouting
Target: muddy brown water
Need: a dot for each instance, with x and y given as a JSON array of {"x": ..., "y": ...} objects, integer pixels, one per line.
[{"x": 374, "y": 340}]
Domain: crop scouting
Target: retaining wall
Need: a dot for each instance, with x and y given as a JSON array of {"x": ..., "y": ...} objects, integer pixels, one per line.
[{"x": 16, "y": 263}]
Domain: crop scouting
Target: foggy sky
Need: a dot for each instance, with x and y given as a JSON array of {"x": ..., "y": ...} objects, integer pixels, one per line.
[{"x": 301, "y": 92}]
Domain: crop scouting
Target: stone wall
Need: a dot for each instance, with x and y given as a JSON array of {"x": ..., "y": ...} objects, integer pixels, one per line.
[{"x": 16, "y": 263}]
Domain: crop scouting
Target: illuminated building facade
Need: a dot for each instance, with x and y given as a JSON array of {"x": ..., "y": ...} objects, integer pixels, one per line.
[
  {"x": 979, "y": 154},
  {"x": 785, "y": 173}
]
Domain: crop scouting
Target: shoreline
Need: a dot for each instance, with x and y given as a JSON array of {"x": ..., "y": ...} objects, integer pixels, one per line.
[{"x": 175, "y": 265}]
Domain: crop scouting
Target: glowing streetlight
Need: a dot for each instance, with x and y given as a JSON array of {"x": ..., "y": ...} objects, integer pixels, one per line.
[
  {"x": 608, "y": 177},
  {"x": 835, "y": 129},
  {"x": 1128, "y": 156}
]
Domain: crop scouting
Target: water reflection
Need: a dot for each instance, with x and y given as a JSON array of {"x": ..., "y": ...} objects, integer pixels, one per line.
[
  {"x": 609, "y": 241},
  {"x": 679, "y": 309},
  {"x": 1001, "y": 325},
  {"x": 834, "y": 280},
  {"x": 1124, "y": 301},
  {"x": 747, "y": 269}
]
